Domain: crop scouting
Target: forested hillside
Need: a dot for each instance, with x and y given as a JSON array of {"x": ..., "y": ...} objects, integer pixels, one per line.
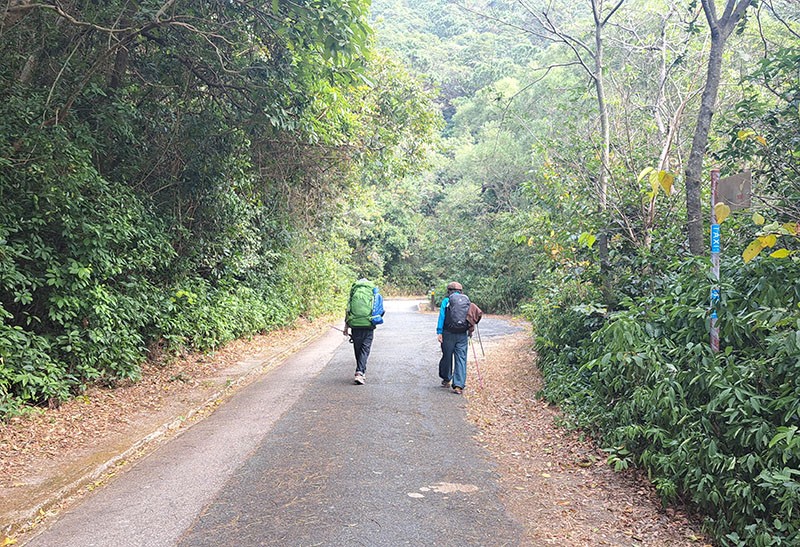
[
  {"x": 573, "y": 185},
  {"x": 175, "y": 175}
]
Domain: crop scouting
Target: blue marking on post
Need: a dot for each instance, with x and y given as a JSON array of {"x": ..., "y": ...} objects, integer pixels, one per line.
[
  {"x": 715, "y": 238},
  {"x": 713, "y": 314},
  {"x": 714, "y": 295}
]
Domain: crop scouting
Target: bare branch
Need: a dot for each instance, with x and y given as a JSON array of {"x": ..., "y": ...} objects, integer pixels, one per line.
[
  {"x": 58, "y": 77},
  {"x": 612, "y": 12},
  {"x": 495, "y": 19},
  {"x": 60, "y": 11},
  {"x": 547, "y": 70},
  {"x": 160, "y": 13},
  {"x": 734, "y": 10},
  {"x": 775, "y": 14},
  {"x": 710, "y": 9}
]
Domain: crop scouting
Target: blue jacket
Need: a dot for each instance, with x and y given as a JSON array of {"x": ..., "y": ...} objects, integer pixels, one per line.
[{"x": 442, "y": 308}]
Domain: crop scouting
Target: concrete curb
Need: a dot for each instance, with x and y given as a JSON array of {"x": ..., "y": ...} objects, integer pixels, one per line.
[{"x": 26, "y": 520}]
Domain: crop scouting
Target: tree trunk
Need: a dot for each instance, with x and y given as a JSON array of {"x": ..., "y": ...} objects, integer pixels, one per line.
[
  {"x": 720, "y": 31},
  {"x": 694, "y": 168},
  {"x": 605, "y": 266}
]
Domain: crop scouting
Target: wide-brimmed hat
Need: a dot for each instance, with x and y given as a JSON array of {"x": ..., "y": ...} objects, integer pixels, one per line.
[{"x": 454, "y": 286}]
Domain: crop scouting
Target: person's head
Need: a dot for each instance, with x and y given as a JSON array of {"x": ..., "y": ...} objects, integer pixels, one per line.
[{"x": 454, "y": 286}]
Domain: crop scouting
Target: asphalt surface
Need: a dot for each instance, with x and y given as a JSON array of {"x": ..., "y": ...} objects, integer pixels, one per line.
[{"x": 306, "y": 457}]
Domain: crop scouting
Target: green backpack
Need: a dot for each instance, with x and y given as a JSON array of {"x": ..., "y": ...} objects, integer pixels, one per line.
[{"x": 359, "y": 307}]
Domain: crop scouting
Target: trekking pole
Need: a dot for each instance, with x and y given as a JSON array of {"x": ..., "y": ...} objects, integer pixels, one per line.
[
  {"x": 478, "y": 329},
  {"x": 342, "y": 331},
  {"x": 477, "y": 366}
]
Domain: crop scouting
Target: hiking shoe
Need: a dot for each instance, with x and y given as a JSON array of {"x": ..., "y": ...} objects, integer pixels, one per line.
[
  {"x": 360, "y": 378},
  {"x": 458, "y": 390},
  {"x": 445, "y": 383}
]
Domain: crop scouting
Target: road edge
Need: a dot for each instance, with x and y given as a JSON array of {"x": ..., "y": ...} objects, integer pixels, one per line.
[{"x": 23, "y": 525}]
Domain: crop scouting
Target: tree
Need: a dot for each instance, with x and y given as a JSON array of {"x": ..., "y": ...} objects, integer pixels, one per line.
[
  {"x": 720, "y": 28},
  {"x": 591, "y": 58},
  {"x": 174, "y": 174}
]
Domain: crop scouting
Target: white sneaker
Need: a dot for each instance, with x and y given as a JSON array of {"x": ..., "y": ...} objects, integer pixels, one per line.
[{"x": 360, "y": 379}]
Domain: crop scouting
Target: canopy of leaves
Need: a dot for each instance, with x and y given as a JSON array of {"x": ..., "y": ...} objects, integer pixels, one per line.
[{"x": 178, "y": 175}]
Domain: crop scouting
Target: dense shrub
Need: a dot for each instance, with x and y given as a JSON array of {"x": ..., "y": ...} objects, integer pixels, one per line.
[
  {"x": 90, "y": 279},
  {"x": 159, "y": 189},
  {"x": 75, "y": 253},
  {"x": 715, "y": 430}
]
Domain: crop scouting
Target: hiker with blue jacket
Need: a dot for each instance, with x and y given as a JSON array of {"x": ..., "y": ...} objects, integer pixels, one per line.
[
  {"x": 453, "y": 334},
  {"x": 364, "y": 313}
]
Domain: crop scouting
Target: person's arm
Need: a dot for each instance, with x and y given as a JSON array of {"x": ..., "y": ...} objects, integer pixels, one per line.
[{"x": 440, "y": 323}]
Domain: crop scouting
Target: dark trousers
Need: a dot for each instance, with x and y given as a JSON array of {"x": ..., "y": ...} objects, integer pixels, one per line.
[
  {"x": 453, "y": 364},
  {"x": 362, "y": 344}
]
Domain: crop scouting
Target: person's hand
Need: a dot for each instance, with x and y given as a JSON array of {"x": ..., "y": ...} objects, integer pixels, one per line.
[
  {"x": 344, "y": 331},
  {"x": 439, "y": 338}
]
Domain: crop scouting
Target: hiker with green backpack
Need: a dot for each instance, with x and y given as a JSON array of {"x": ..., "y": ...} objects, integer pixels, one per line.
[{"x": 364, "y": 312}]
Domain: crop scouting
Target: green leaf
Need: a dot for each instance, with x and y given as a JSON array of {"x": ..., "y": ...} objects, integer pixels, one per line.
[
  {"x": 654, "y": 177},
  {"x": 586, "y": 239}
]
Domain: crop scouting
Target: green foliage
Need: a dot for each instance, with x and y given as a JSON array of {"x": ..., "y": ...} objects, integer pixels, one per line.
[
  {"x": 763, "y": 132},
  {"x": 715, "y": 430},
  {"x": 562, "y": 324},
  {"x": 28, "y": 373},
  {"x": 186, "y": 182},
  {"x": 75, "y": 250}
]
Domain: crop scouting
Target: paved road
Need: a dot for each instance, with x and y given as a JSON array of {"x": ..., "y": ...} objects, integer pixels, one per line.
[{"x": 305, "y": 457}]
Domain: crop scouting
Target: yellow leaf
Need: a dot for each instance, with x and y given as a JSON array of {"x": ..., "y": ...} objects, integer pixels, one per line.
[
  {"x": 768, "y": 240},
  {"x": 721, "y": 211},
  {"x": 654, "y": 182},
  {"x": 744, "y": 133},
  {"x": 665, "y": 180},
  {"x": 792, "y": 227},
  {"x": 758, "y": 219},
  {"x": 780, "y": 253},
  {"x": 9, "y": 541},
  {"x": 643, "y": 174},
  {"x": 761, "y": 140},
  {"x": 752, "y": 250}
]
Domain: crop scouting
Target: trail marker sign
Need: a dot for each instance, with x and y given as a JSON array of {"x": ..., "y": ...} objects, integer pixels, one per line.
[{"x": 734, "y": 191}]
